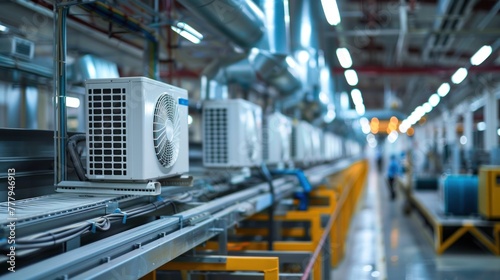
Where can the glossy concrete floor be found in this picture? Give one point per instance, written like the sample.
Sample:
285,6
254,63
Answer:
385,244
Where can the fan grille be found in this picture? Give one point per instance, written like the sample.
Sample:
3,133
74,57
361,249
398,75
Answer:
166,130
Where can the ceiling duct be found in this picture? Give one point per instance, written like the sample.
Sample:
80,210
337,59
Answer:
91,67
304,37
266,54
241,21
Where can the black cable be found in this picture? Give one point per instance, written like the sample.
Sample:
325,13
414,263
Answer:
271,226
75,157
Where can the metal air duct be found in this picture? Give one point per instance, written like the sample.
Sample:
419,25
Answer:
240,21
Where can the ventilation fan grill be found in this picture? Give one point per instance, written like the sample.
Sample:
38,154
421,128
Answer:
107,131
166,130
265,140
216,126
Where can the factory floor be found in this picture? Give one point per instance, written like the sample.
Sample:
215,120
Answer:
384,243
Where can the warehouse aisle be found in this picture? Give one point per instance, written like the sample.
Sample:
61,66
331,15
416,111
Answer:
383,243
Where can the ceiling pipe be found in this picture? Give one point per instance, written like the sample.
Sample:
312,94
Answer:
266,54
240,21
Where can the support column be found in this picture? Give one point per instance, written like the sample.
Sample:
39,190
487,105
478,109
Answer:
468,133
491,120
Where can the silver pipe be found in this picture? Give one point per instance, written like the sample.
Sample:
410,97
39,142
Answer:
60,130
240,21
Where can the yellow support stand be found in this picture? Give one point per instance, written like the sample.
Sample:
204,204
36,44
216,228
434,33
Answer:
268,265
350,182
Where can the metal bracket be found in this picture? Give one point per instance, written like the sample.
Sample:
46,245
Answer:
181,181
119,188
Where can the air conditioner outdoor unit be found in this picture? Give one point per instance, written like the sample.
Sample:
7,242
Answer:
277,138
232,133
17,47
302,146
317,142
137,130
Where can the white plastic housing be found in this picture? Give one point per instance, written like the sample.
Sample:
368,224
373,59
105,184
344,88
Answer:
302,146
277,139
232,133
120,129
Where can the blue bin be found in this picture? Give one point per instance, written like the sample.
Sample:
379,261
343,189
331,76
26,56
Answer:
460,195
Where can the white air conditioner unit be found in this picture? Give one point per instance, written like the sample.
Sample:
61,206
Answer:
330,146
17,47
302,146
137,130
232,133
317,142
276,138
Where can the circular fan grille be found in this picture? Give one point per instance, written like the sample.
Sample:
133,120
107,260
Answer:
166,130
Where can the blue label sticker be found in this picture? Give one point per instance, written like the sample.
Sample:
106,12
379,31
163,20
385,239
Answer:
183,101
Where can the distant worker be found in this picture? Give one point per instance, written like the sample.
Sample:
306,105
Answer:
392,173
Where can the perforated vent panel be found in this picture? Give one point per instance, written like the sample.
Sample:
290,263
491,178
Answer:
23,49
216,145
107,131
265,140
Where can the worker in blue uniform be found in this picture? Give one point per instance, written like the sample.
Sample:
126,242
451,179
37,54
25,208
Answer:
392,173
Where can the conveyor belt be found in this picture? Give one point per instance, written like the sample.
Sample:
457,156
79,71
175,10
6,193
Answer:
160,241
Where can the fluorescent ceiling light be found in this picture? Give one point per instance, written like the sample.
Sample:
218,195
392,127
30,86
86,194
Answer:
344,100
393,136
3,28
291,62
331,11
303,56
356,96
323,97
72,102
481,126
459,76
188,32
434,100
420,111
360,109
330,114
427,107
344,57
351,77
481,55
443,89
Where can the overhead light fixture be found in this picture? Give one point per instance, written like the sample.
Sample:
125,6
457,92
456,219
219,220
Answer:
331,10
330,114
3,28
344,57
434,100
481,55
303,56
481,126
360,109
356,96
323,97
459,76
72,102
443,89
188,32
351,77
344,100
427,107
